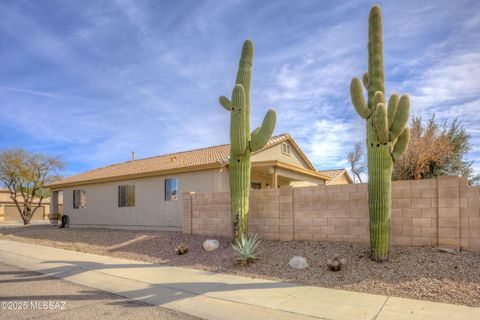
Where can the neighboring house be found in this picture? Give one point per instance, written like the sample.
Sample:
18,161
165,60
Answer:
337,176
146,193
9,211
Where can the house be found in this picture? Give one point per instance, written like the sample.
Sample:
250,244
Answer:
337,176
9,211
146,193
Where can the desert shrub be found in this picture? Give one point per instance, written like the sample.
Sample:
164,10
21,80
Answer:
247,248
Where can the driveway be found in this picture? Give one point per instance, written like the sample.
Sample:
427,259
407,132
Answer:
44,297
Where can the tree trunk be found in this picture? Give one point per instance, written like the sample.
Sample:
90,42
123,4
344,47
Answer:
26,215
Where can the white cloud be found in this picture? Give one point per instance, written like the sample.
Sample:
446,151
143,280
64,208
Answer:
144,75
331,141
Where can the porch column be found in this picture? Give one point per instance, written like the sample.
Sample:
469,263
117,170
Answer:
274,178
54,202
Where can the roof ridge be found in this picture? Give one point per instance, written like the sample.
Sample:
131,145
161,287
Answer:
285,135
179,152
196,149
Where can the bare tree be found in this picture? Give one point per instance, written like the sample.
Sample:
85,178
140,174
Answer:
356,158
25,175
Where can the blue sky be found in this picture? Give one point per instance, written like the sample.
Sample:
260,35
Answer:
93,80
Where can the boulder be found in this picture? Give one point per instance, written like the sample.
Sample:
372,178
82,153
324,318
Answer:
298,262
210,244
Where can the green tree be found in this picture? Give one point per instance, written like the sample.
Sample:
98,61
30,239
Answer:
26,174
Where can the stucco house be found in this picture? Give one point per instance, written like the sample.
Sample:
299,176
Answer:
337,176
146,193
9,211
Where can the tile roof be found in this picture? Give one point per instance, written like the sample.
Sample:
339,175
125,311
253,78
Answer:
192,159
334,173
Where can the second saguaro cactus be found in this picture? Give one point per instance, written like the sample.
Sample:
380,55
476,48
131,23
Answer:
243,143
387,136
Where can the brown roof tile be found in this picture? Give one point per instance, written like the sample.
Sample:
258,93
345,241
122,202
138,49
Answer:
192,159
334,173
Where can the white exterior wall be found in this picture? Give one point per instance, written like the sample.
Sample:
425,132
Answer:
151,211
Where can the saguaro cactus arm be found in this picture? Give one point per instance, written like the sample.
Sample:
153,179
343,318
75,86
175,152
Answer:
225,102
358,100
392,108
262,134
401,144
365,80
381,123
378,98
401,117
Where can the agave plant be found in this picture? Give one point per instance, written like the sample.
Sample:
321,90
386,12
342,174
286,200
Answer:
247,248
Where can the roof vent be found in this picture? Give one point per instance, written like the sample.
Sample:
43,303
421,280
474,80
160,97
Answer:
174,159
133,155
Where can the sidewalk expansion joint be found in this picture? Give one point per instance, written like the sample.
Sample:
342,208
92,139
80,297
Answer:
381,308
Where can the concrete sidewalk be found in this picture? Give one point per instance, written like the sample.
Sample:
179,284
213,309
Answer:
220,296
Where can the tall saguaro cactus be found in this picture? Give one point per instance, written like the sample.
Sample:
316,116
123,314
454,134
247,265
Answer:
387,136
243,143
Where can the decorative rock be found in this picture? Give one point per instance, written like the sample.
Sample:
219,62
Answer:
448,250
210,244
298,262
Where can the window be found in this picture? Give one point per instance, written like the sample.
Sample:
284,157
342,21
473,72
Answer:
79,199
171,189
126,196
255,185
286,149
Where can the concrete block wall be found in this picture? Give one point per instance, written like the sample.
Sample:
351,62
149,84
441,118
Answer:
469,203
207,213
332,212
414,219
266,220
444,211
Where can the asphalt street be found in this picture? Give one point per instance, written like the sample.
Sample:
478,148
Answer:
30,295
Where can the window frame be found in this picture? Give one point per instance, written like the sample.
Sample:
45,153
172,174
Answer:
126,195
77,196
286,149
169,196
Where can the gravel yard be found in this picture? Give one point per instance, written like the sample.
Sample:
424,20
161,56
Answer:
419,273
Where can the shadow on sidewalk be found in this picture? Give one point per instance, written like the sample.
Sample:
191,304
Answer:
157,293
